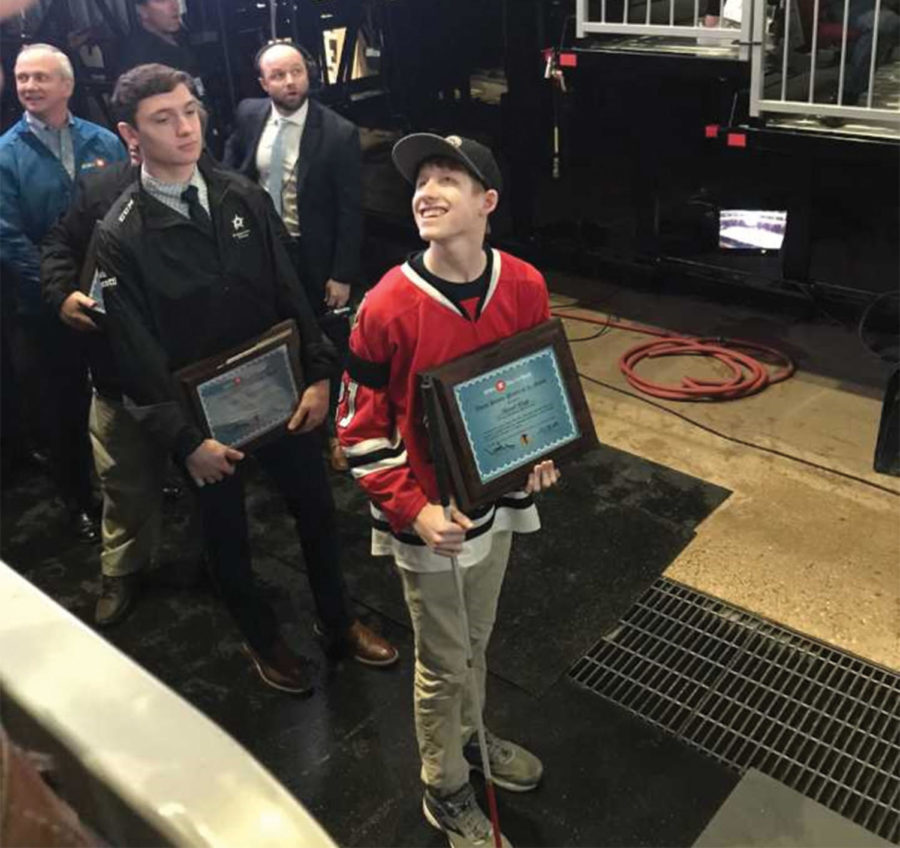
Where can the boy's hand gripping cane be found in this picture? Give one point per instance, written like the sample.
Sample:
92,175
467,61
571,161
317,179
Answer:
435,433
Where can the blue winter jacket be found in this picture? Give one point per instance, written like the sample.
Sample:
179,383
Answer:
35,190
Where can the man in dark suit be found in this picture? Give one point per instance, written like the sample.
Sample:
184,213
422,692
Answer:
315,185
159,37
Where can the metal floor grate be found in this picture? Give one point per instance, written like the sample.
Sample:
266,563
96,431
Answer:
754,694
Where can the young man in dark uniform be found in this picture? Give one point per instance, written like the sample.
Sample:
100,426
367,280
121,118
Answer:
195,264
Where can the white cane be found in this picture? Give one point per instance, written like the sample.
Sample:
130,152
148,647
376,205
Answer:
435,422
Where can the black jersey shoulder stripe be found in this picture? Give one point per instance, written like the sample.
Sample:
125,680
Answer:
373,375
376,455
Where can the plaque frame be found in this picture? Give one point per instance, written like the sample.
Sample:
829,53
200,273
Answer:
469,490
87,276
193,376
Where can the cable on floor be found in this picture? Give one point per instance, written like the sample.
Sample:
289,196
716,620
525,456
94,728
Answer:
738,441
861,329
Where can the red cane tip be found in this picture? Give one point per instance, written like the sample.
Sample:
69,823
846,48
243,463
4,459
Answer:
495,816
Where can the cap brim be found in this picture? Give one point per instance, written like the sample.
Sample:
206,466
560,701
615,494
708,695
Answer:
412,150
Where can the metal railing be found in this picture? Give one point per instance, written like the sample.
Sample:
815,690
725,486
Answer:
820,58
826,63
666,18
139,764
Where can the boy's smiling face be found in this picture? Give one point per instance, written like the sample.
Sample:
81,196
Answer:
449,202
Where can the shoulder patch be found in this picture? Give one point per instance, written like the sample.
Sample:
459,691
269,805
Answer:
126,211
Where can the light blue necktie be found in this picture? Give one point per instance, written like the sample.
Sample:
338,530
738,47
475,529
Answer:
276,166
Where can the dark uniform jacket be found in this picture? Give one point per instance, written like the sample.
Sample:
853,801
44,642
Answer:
63,253
175,294
328,189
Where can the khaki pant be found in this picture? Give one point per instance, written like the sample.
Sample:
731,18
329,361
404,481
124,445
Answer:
444,711
131,468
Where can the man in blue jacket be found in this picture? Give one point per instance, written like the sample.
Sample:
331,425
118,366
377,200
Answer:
40,158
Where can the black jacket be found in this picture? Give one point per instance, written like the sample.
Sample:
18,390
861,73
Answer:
328,189
63,254
175,294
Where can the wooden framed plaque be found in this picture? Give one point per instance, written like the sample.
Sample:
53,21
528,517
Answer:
245,396
507,407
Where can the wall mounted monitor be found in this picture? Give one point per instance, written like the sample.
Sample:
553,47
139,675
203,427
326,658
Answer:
760,230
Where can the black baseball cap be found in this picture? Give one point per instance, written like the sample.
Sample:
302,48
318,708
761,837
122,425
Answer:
412,150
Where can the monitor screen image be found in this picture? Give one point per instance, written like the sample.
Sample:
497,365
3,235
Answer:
751,229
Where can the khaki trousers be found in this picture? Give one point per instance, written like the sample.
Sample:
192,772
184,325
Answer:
443,707
131,468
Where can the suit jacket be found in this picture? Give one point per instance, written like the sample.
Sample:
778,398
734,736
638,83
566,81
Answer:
328,189
142,47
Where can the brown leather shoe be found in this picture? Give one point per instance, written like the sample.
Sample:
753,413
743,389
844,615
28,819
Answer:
366,646
336,456
117,597
282,669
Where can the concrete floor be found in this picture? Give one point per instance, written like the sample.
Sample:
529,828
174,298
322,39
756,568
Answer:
809,549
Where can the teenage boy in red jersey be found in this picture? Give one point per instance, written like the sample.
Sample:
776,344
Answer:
455,297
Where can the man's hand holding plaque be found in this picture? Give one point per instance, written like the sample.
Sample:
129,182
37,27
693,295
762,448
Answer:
212,461
311,410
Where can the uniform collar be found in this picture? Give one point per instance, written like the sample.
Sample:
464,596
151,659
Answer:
157,214
35,123
155,186
435,294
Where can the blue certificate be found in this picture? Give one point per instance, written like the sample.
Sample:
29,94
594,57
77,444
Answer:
250,399
516,413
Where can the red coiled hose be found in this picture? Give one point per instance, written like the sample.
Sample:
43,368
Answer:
748,363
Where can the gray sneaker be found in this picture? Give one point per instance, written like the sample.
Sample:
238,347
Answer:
461,819
512,767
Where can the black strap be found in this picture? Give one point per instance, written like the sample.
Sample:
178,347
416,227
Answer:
373,375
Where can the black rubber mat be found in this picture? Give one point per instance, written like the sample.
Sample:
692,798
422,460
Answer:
609,531
349,752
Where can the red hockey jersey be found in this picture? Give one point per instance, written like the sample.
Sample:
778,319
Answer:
404,327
